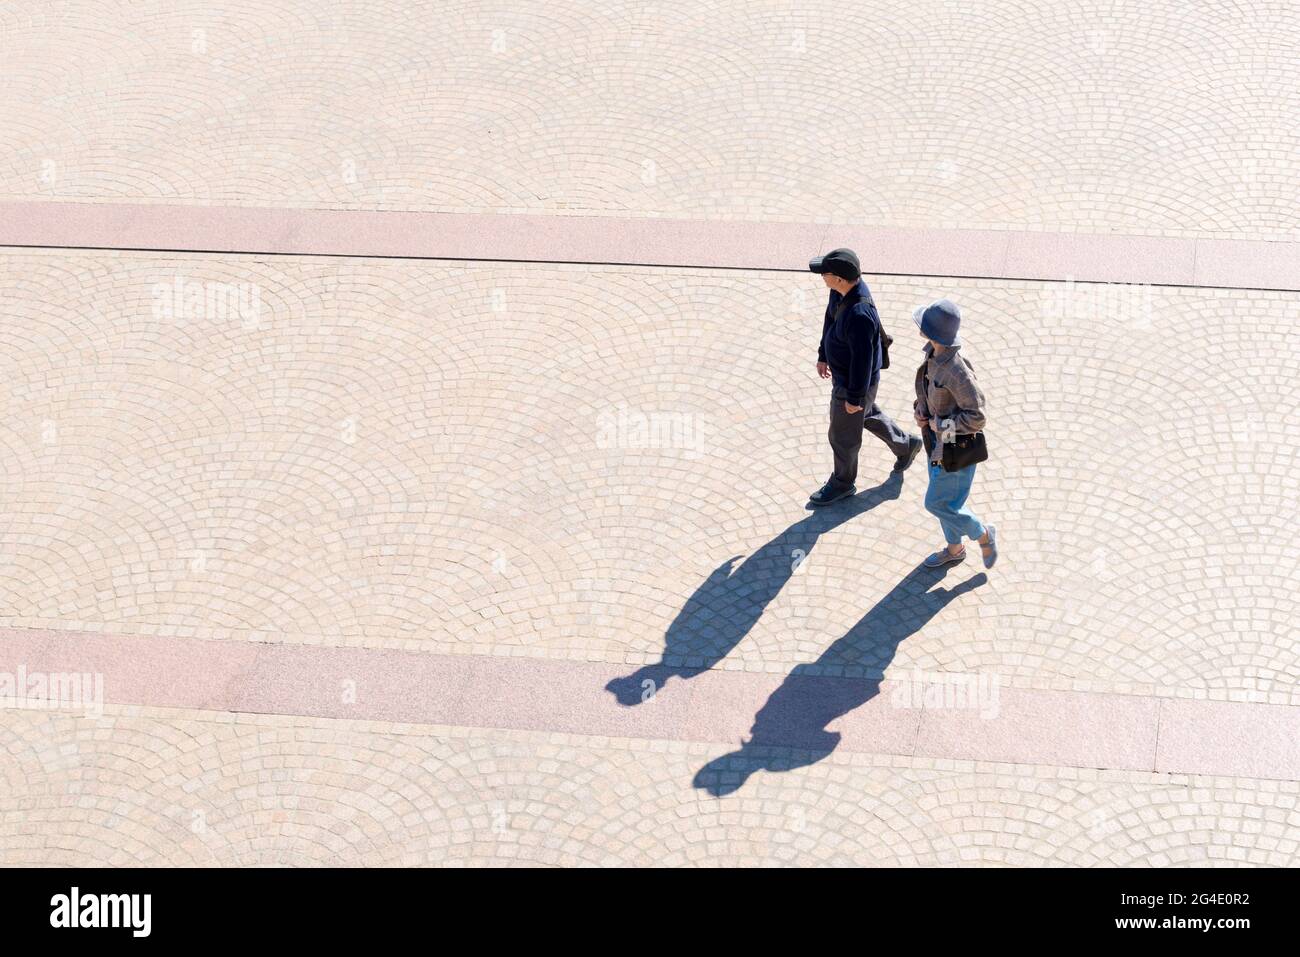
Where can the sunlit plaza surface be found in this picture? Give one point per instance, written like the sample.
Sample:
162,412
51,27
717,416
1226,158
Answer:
410,412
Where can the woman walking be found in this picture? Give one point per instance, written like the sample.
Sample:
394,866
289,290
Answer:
950,410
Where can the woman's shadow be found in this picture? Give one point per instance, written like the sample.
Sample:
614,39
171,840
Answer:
727,604
789,731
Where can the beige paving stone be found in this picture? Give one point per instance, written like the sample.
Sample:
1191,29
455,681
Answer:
1090,115
596,463
151,787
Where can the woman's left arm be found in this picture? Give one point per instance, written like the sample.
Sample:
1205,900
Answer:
968,416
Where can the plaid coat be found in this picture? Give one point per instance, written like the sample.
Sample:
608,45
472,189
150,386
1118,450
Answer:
947,391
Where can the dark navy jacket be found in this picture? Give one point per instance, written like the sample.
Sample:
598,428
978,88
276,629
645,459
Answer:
851,344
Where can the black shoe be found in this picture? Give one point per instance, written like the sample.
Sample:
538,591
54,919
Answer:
829,493
914,446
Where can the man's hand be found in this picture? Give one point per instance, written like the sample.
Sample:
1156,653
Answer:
852,409
921,420
823,370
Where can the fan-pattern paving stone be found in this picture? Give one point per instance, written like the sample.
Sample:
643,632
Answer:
611,465
1159,117
148,787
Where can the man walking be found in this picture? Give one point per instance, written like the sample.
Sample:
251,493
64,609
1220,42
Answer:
850,355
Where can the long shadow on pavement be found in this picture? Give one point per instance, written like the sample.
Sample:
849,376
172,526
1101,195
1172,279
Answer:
730,601
789,731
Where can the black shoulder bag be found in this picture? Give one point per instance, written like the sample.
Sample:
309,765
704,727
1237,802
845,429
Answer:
963,450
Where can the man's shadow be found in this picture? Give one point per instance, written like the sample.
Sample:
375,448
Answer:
789,731
727,604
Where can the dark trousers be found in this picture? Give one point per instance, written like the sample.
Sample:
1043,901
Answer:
846,430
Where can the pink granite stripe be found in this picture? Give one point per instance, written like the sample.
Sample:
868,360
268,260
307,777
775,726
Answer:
161,672
1251,265
364,684
652,241
1108,258
1071,729
793,711
1059,728
1229,737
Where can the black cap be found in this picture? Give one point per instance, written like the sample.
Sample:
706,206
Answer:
838,262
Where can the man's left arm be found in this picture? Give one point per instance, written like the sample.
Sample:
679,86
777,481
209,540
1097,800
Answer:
866,354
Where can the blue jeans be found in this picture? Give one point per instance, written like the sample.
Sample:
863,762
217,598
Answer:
946,500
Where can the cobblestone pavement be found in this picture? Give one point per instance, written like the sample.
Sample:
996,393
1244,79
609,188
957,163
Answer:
355,474
611,465
147,786
1108,115
296,451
